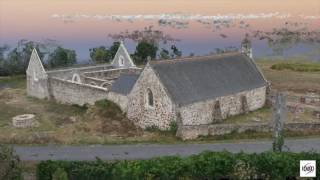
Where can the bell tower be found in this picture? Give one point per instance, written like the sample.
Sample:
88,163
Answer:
246,47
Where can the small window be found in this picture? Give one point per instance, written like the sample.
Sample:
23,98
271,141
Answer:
150,101
121,61
35,78
76,78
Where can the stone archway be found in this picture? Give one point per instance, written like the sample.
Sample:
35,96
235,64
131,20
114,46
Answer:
76,78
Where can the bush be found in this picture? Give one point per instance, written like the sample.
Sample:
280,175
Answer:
207,165
109,109
10,167
60,174
173,127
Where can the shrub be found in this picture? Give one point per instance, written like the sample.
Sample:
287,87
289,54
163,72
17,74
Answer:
60,174
10,167
109,109
173,127
207,165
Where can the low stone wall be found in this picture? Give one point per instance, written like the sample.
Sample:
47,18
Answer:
119,99
111,73
192,132
67,73
74,93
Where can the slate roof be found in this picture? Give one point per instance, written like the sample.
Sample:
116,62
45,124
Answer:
124,83
201,78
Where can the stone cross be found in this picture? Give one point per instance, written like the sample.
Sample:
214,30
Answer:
279,116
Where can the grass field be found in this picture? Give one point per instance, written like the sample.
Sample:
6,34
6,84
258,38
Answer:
70,124
289,80
299,67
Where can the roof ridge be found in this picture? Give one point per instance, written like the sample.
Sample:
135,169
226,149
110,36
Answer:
194,58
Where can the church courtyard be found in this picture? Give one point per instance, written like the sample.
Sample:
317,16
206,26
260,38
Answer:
71,124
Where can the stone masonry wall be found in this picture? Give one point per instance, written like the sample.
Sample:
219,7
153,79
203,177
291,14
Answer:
119,99
161,114
37,87
74,93
202,112
67,73
37,78
192,132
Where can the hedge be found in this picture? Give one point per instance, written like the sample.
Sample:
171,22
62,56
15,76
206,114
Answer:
207,165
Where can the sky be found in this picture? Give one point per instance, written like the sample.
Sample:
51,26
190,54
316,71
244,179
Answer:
83,24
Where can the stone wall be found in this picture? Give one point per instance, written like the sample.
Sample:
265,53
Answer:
74,93
192,132
68,73
119,99
162,112
111,73
97,82
203,112
37,87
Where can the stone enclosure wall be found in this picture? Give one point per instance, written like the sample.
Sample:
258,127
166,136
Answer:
73,93
119,99
192,132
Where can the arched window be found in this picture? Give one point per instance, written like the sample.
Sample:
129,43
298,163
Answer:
76,78
121,61
35,78
150,101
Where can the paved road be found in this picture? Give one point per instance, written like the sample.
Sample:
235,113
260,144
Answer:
144,151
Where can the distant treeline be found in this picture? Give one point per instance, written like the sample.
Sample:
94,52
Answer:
15,60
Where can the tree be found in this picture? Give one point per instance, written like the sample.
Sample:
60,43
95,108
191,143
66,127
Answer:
24,50
15,63
10,167
148,34
18,58
175,52
114,48
3,64
143,51
164,54
3,49
61,57
102,54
